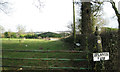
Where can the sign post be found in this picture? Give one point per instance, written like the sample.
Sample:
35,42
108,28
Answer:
100,56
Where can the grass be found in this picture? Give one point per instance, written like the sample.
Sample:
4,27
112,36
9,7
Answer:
37,44
33,44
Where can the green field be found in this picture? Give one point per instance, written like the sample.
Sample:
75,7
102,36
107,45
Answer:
38,44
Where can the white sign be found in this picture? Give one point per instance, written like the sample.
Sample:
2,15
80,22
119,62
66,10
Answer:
100,56
78,44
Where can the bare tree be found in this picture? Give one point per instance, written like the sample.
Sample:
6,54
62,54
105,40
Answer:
31,32
38,4
1,29
116,12
100,22
5,6
21,29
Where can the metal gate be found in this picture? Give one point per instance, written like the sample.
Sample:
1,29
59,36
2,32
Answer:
50,63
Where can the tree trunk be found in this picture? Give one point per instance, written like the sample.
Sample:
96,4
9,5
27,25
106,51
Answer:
86,25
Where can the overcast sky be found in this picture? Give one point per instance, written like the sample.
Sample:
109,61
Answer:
55,15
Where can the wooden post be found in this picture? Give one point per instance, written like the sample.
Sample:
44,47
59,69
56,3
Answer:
99,65
74,31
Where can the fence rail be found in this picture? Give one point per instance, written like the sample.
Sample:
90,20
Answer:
37,67
46,59
43,51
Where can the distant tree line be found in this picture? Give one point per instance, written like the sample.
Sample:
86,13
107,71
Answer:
36,36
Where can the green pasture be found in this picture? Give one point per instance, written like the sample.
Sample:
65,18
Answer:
38,44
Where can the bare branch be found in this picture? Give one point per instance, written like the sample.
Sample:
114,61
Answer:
3,3
97,8
114,7
38,4
4,7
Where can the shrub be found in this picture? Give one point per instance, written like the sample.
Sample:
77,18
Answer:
13,35
109,44
6,34
21,36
